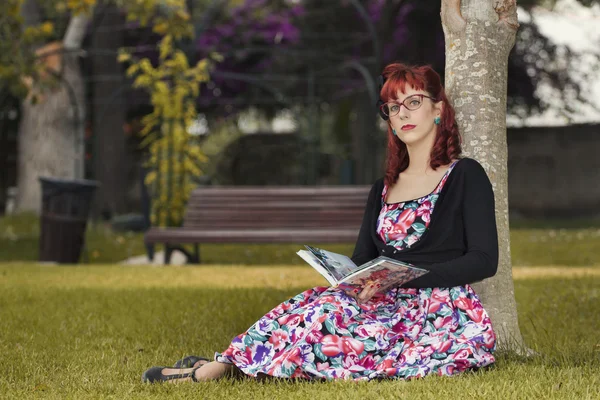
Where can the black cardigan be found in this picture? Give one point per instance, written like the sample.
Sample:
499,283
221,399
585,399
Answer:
460,245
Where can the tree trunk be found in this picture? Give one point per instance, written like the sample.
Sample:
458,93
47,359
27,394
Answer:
479,36
50,141
110,148
367,141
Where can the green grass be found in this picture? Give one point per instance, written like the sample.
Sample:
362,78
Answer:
533,243
567,247
19,241
90,331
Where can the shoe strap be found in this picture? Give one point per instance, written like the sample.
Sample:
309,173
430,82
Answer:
194,379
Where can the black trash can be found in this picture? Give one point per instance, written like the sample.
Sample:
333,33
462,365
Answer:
65,210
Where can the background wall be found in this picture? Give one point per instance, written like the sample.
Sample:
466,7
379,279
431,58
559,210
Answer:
554,171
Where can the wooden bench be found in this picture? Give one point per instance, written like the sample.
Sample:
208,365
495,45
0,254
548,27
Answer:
266,214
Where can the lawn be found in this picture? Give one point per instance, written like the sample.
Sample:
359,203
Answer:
90,331
533,243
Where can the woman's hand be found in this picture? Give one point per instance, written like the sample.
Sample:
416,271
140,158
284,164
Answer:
350,290
361,294
368,291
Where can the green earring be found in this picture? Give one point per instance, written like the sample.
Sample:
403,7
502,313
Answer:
437,120
394,131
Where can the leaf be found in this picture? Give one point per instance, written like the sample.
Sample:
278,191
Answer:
393,215
462,318
288,370
444,312
165,47
248,340
122,57
330,326
141,81
47,28
132,70
317,351
150,178
369,345
161,28
419,227
257,336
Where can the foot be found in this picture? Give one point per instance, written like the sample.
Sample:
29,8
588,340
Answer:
200,363
166,374
191,362
206,372
213,370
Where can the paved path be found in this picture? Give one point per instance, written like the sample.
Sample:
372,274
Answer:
176,259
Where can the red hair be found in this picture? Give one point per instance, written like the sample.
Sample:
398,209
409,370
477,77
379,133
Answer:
447,144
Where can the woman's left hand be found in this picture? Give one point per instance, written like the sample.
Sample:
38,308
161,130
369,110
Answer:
367,292
358,293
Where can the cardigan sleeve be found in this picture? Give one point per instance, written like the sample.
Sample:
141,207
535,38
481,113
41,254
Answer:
365,250
480,260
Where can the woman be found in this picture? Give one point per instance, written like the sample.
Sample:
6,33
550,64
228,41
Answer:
433,209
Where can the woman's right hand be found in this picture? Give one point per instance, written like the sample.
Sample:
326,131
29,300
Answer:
361,294
368,291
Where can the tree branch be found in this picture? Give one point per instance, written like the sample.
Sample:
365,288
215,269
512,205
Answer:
76,31
451,16
507,13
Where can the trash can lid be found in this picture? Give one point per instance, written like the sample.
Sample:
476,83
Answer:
68,184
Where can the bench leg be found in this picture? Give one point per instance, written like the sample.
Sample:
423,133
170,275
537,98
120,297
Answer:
196,254
150,251
168,252
190,257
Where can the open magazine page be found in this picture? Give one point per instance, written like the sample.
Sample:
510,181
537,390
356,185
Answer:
384,272
338,265
314,262
338,269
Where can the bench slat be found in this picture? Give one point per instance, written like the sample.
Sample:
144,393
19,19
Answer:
291,214
234,213
265,217
282,191
176,236
249,225
276,204
275,224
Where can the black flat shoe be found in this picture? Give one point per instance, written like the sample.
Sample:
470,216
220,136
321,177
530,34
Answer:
155,374
189,361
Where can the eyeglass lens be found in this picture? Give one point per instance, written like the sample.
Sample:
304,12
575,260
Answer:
411,103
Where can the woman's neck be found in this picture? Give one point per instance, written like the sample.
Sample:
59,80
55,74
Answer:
419,160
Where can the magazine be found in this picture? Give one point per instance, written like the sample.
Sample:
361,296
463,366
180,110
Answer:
337,268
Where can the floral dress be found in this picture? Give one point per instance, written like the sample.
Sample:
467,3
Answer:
323,333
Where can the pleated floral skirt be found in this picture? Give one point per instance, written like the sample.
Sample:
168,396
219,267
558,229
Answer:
322,333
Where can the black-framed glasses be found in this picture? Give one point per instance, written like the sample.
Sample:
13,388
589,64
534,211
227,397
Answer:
412,103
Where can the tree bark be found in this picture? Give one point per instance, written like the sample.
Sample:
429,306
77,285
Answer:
50,141
368,144
110,148
479,36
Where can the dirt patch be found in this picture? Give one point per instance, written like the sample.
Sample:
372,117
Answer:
554,272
